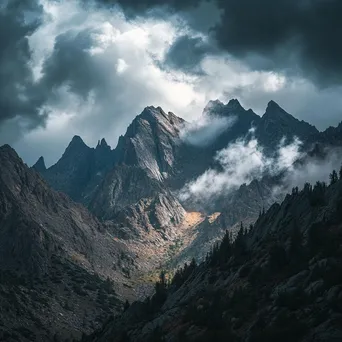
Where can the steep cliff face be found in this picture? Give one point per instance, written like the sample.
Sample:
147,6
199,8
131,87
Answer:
54,256
151,142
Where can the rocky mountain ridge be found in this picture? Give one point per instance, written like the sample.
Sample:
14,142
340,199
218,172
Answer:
153,142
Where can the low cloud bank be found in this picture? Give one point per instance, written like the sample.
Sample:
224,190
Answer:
239,163
312,170
243,161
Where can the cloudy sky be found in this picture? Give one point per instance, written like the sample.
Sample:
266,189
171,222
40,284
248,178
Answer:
89,67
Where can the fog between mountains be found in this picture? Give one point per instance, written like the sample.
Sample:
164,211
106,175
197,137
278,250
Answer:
205,130
245,160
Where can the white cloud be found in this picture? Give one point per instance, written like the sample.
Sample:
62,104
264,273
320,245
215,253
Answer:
312,170
241,162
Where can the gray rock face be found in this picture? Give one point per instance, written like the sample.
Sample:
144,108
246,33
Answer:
161,213
129,194
151,142
123,186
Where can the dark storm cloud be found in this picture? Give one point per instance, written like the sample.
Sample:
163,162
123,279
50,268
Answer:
285,33
18,98
71,65
299,37
186,53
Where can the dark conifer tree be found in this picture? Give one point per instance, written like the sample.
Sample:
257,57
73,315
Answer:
333,177
239,247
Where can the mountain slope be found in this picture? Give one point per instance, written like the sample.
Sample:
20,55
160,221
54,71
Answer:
54,257
279,282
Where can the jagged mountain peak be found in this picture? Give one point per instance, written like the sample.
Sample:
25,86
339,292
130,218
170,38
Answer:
213,106
76,146
233,107
7,151
150,141
8,159
102,144
152,111
276,113
274,110
274,104
77,141
234,104
277,124
40,165
154,116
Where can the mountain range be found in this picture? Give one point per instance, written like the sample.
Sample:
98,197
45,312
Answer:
81,237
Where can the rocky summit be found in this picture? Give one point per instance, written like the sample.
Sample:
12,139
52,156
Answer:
164,238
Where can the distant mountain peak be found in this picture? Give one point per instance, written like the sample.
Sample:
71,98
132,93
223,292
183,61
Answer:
77,140
218,108
7,149
40,165
276,124
213,107
102,144
234,104
273,109
152,112
273,104
75,145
